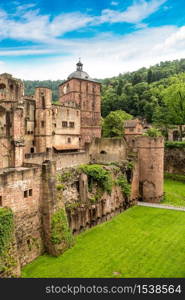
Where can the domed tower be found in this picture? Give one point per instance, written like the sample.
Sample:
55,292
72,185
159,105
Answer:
84,92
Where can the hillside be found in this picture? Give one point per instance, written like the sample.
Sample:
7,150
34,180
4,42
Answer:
138,93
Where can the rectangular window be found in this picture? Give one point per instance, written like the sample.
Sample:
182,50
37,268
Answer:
71,124
30,192
64,124
25,194
1,203
42,124
69,140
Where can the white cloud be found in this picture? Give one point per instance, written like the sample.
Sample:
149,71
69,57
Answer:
103,56
114,3
135,13
27,24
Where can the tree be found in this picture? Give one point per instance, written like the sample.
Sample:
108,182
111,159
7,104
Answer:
113,124
153,132
174,98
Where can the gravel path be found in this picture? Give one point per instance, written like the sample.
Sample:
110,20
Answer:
161,206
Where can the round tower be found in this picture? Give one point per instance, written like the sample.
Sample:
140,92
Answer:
151,169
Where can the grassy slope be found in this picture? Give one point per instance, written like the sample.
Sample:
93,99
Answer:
141,242
174,192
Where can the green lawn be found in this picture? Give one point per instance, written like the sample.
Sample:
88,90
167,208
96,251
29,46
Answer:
140,242
174,192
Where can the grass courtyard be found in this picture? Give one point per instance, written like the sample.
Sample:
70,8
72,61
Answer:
140,242
174,192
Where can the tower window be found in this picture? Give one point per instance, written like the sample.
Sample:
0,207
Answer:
71,124
69,140
64,124
25,194
42,124
32,150
30,192
43,101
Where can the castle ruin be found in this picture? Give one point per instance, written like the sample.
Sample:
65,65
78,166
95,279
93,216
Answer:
41,141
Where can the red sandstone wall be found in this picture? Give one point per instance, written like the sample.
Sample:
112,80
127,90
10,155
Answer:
13,184
151,157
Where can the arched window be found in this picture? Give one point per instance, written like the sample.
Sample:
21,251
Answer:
2,88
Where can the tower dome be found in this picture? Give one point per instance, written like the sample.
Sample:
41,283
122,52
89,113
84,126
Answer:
79,73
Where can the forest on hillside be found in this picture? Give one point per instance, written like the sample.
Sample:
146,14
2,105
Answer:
147,93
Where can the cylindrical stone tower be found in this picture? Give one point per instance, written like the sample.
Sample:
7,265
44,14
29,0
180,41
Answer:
151,170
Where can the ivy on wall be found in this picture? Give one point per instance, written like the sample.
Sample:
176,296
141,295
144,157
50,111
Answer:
60,232
6,230
96,173
125,186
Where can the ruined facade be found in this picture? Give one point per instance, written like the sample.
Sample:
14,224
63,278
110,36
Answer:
38,141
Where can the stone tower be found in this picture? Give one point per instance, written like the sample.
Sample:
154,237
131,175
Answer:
81,90
151,173
43,126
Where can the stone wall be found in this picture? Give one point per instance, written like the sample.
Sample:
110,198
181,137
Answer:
87,207
107,150
174,160
151,164
20,190
65,160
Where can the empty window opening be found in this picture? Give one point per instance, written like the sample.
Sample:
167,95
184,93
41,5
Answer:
71,124
43,101
32,150
2,88
30,192
64,124
25,194
42,124
67,112
69,140
103,152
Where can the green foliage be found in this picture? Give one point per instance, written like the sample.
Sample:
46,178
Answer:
174,191
125,186
52,84
153,132
64,176
60,187
113,125
141,242
6,227
171,145
140,93
176,177
97,173
60,232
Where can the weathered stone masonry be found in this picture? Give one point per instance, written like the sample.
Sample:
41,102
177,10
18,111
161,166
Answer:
39,141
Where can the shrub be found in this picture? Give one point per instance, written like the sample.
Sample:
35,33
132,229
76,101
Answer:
153,132
96,173
60,231
171,145
125,186
6,228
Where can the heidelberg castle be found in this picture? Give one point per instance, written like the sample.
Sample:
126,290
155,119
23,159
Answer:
39,139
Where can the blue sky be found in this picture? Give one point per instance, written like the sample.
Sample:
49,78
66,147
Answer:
43,39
